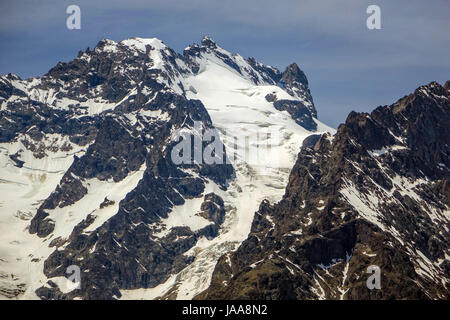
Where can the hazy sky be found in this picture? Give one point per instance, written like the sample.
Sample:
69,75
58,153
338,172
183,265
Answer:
348,66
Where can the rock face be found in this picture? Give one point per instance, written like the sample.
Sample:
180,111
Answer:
298,111
302,109
295,82
96,137
375,194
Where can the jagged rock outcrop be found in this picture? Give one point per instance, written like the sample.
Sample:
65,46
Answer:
296,83
302,109
375,194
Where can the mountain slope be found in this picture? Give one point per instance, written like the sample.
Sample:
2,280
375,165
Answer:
375,194
87,168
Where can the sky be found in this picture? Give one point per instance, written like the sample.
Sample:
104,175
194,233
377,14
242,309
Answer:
349,67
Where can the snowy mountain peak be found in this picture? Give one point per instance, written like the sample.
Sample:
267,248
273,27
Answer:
87,152
134,43
208,42
88,178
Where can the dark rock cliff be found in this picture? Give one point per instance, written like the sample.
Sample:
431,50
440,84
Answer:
375,194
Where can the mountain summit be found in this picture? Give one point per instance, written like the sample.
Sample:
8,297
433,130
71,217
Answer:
88,176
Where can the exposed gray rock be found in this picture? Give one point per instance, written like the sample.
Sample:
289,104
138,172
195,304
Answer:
375,194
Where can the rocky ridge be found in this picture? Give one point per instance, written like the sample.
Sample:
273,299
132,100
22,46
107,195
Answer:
375,194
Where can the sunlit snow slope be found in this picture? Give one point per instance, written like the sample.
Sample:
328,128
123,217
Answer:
22,190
